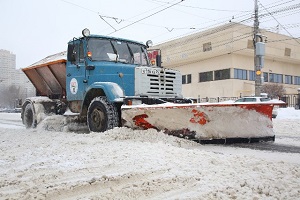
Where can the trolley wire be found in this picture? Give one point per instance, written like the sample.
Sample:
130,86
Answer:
244,18
146,17
287,8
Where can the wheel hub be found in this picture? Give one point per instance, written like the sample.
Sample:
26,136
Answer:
97,118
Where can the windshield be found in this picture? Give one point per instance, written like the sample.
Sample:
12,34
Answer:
117,51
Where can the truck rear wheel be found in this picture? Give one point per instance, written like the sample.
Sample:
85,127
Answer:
29,116
102,115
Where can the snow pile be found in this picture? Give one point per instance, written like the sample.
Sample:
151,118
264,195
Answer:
288,113
134,164
287,126
62,56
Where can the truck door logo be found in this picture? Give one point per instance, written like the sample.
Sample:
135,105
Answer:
73,86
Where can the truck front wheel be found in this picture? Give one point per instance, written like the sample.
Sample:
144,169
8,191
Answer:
102,115
29,117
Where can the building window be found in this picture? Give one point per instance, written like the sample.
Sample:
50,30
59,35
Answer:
222,74
297,80
266,77
189,78
186,79
207,46
250,44
271,77
287,52
288,79
205,76
252,75
240,74
276,78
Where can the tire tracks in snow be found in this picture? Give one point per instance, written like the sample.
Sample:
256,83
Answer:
269,146
126,186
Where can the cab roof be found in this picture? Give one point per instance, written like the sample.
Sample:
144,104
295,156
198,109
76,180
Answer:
109,38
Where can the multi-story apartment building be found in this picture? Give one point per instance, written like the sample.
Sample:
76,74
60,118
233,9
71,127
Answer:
7,67
220,62
13,82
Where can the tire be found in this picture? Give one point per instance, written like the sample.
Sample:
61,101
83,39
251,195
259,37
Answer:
102,115
29,116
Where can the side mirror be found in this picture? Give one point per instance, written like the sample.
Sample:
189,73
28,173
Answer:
155,57
149,43
71,54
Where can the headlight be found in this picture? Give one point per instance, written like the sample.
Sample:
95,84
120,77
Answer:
85,32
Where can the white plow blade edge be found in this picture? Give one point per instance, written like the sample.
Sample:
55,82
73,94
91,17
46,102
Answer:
205,120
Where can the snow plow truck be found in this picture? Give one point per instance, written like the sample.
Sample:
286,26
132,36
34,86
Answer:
110,82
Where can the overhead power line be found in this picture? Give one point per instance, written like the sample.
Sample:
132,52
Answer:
270,41
215,45
243,18
200,8
288,8
271,13
79,6
274,4
121,20
147,17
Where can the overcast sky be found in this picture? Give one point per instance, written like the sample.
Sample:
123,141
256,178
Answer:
34,29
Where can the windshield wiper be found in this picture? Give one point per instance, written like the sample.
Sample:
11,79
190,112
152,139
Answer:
131,54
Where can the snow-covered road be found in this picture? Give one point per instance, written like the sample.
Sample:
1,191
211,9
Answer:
11,120
126,164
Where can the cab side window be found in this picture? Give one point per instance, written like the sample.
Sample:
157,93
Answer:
76,53
81,53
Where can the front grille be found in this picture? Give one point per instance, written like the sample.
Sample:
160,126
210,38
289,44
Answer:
162,83
157,82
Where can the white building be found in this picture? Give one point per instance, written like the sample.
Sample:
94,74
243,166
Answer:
220,62
13,82
7,68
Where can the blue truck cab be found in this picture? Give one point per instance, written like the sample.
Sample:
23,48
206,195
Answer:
105,63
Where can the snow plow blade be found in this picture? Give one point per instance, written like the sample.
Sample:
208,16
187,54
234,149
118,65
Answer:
206,123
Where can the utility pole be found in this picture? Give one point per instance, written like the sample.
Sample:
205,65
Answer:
257,68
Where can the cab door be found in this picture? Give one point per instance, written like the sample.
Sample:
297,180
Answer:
75,72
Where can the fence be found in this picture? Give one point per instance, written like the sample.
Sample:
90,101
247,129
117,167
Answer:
292,100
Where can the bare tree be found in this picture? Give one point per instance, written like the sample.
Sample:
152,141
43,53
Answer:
9,95
273,90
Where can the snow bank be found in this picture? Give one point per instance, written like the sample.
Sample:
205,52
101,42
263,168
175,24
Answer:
126,164
288,113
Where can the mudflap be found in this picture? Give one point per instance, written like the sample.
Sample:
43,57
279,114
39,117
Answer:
205,123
